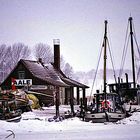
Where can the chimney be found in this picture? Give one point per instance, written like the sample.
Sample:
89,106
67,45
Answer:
126,77
56,43
127,84
40,61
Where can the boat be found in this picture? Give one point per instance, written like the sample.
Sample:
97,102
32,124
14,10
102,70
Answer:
8,109
129,91
109,110
106,105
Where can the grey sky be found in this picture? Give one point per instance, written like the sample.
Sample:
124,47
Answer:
79,24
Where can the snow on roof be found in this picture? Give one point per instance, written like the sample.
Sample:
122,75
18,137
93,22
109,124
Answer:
50,74
43,73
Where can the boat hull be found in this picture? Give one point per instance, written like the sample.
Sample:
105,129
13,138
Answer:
104,117
15,119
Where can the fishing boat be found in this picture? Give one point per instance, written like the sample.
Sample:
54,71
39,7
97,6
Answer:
129,91
105,110
8,109
106,105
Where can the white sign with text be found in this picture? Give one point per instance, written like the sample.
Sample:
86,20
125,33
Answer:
22,82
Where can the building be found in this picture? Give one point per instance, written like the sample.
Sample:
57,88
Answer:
45,80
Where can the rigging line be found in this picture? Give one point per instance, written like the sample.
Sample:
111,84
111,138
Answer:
123,60
96,72
125,55
112,61
137,45
124,49
112,57
134,34
136,66
138,74
99,57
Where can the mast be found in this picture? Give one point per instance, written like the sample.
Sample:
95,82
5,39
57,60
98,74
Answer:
132,51
105,57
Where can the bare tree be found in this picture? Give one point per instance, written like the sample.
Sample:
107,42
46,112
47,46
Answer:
43,51
3,52
62,62
68,70
16,52
10,55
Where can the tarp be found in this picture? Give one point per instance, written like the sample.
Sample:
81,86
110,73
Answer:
34,101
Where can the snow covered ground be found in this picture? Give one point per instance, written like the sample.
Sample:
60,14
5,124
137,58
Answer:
35,126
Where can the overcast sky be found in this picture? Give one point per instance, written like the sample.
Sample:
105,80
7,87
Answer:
79,24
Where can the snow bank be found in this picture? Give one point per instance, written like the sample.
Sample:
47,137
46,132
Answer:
36,122
134,119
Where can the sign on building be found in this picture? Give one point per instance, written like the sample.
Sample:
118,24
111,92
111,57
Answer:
21,82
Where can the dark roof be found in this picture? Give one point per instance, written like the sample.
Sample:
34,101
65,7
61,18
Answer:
64,78
41,72
73,82
50,74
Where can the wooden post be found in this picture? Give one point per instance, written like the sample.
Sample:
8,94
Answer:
66,96
71,100
82,111
84,93
78,96
85,104
84,99
57,102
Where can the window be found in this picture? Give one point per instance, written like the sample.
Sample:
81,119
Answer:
21,74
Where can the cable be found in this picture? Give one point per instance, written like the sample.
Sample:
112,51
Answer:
96,72
124,50
134,34
136,41
112,61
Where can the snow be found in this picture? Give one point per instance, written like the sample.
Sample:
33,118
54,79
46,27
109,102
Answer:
35,126
134,119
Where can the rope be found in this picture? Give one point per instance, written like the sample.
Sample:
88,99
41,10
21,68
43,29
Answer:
134,34
138,73
99,57
96,72
112,57
124,51
112,61
124,57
